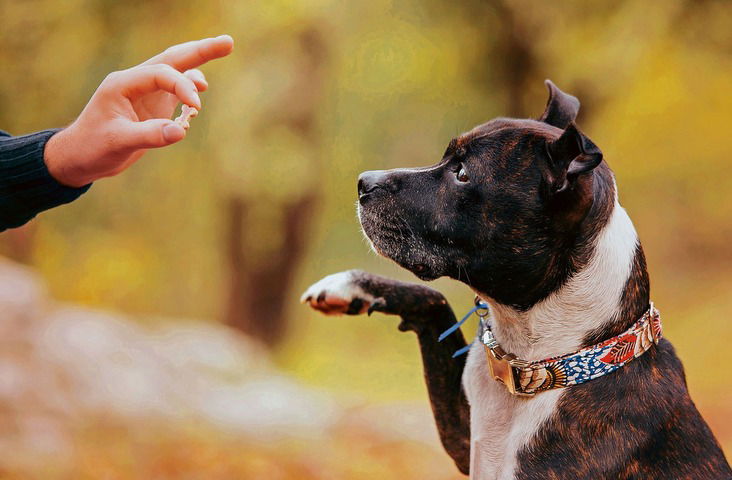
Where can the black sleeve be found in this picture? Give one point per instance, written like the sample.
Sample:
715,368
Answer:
26,187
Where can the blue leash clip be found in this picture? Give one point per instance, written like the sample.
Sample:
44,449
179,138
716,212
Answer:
481,309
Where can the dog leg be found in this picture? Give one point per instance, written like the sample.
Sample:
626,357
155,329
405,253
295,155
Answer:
425,312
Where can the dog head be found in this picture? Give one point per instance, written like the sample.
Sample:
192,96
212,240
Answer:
509,208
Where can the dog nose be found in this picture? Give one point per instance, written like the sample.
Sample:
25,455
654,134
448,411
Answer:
370,181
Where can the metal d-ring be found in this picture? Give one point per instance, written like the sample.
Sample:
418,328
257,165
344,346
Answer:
482,309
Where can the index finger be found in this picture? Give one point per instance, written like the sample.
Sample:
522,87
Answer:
189,55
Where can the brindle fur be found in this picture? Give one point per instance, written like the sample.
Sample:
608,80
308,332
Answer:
426,312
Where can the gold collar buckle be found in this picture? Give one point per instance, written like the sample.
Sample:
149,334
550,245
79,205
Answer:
502,364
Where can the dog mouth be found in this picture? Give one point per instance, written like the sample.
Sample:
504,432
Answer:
363,197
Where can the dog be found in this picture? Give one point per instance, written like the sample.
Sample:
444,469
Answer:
526,213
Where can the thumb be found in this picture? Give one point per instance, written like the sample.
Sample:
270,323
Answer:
153,133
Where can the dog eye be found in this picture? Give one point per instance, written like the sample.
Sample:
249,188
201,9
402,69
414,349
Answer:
462,175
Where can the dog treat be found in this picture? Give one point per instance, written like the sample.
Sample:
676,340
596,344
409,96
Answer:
186,113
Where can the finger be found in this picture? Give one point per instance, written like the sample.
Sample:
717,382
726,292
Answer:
198,79
189,55
154,133
139,81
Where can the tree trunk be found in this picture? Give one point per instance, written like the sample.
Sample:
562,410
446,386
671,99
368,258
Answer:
258,291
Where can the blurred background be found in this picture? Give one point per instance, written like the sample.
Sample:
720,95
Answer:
152,329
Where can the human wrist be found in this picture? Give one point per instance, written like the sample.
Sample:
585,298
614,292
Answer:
60,163
28,186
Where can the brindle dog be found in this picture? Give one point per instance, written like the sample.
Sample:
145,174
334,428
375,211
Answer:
525,212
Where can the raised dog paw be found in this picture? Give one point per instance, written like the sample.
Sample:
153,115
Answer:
340,293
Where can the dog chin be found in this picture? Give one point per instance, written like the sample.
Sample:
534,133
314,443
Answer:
395,254
425,276
421,270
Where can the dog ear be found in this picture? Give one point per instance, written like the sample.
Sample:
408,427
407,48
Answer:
561,108
570,155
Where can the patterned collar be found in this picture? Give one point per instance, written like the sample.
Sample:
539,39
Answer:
528,378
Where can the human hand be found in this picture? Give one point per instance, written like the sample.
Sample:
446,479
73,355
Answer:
130,112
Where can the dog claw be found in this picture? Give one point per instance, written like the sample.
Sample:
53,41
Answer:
377,304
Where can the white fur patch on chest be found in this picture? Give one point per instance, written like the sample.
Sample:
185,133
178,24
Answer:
502,425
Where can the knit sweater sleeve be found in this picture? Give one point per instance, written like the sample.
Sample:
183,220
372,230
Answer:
26,187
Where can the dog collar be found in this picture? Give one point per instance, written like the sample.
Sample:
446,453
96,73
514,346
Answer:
526,378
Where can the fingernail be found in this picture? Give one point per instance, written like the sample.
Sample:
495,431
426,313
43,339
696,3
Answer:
198,101
173,132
